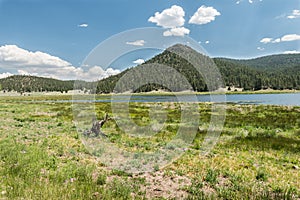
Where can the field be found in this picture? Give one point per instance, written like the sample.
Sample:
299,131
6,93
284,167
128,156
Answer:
42,155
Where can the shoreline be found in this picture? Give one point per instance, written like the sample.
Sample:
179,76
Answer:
152,93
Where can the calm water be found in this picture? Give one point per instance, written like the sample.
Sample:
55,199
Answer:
291,99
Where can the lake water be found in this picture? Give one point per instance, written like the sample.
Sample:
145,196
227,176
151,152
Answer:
288,99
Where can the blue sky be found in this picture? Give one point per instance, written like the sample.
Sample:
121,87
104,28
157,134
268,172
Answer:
55,34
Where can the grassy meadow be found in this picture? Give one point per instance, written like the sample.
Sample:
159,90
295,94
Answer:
42,156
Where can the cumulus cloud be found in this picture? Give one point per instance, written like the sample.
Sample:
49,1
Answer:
169,18
250,1
6,74
204,15
84,25
137,43
285,38
16,60
276,40
295,14
23,72
291,52
179,31
266,40
270,40
97,73
68,73
207,42
13,55
290,37
139,61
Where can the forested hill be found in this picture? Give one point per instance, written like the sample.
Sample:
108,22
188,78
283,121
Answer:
276,72
272,62
22,83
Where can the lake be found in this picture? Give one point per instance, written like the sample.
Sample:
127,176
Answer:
287,99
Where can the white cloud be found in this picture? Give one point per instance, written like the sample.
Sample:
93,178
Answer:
204,15
285,38
84,25
13,55
6,74
207,42
16,60
71,73
290,37
260,48
179,31
266,40
22,72
139,61
249,1
295,14
169,18
292,15
137,43
172,19
100,73
291,52
276,40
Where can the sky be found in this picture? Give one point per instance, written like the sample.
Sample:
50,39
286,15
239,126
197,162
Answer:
54,38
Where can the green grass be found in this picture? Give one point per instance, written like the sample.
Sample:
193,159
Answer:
42,156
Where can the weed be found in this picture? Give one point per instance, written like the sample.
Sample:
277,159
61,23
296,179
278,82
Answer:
261,175
101,179
42,157
211,176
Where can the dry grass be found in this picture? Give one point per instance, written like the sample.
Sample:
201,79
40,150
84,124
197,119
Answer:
42,156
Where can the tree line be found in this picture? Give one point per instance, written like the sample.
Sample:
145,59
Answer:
234,73
277,72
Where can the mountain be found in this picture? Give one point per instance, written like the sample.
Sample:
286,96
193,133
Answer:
22,83
275,71
272,62
167,58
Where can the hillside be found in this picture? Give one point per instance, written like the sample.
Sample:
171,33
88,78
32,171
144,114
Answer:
165,58
22,83
277,72
272,62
